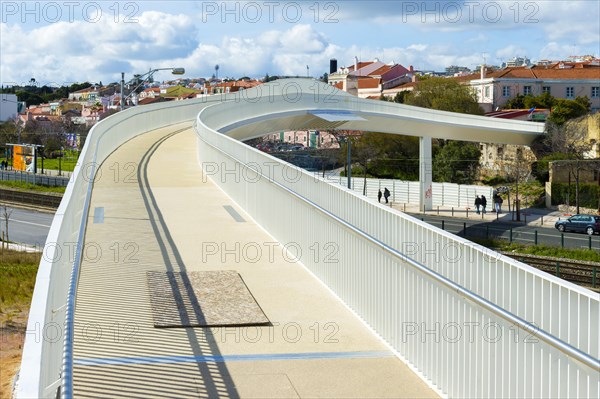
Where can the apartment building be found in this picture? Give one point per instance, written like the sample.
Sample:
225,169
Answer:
567,80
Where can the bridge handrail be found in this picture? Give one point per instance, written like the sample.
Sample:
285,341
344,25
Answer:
47,364
549,338
566,314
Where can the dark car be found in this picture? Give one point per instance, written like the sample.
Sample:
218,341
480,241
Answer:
589,224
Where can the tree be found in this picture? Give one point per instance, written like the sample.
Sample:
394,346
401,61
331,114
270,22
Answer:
6,214
544,100
518,171
29,97
564,110
364,152
397,156
456,162
400,97
445,95
567,138
570,139
517,102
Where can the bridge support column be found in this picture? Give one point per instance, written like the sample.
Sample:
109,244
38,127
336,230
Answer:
425,174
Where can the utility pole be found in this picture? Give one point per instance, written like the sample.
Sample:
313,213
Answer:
122,91
349,161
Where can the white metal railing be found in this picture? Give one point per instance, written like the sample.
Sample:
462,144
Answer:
406,279
47,353
472,322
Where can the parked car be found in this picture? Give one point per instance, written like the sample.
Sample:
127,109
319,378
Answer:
589,224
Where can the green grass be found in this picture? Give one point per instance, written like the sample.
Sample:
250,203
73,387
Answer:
67,162
31,187
541,250
17,278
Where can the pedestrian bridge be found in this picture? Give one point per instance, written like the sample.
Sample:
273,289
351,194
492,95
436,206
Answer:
341,296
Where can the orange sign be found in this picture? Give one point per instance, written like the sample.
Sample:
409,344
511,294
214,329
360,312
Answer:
19,158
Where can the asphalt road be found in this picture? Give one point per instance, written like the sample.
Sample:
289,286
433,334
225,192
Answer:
520,233
31,227
26,226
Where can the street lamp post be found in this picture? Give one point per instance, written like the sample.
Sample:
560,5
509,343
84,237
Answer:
122,91
144,77
346,139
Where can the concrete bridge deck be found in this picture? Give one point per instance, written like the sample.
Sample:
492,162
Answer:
151,210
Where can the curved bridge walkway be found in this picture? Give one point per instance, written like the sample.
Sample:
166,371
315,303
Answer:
147,204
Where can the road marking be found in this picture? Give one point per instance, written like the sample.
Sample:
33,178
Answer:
230,358
25,222
98,215
234,214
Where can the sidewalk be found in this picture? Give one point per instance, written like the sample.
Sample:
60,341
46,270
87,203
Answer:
529,216
313,345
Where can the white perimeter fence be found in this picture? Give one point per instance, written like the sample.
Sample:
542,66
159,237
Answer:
408,192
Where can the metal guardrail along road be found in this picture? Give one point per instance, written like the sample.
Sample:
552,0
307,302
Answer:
49,200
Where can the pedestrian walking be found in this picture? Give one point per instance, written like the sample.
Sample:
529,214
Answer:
498,203
379,195
386,194
483,203
477,203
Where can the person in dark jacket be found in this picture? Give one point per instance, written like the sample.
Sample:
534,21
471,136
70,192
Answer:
483,203
498,203
379,195
386,194
477,203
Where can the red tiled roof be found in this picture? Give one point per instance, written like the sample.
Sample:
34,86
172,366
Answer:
339,85
150,100
380,71
368,83
88,89
360,65
538,72
239,83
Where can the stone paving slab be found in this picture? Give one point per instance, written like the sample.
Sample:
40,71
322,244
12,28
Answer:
202,299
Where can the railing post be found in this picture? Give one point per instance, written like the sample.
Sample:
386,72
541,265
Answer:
594,271
557,269
511,236
442,225
536,238
590,242
562,240
465,228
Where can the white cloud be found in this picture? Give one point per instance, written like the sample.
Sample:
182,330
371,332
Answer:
556,51
79,50
510,51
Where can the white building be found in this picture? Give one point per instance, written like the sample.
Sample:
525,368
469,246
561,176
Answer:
8,107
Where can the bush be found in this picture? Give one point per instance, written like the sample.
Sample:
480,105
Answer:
494,181
589,194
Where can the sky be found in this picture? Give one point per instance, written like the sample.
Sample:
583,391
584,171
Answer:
64,42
